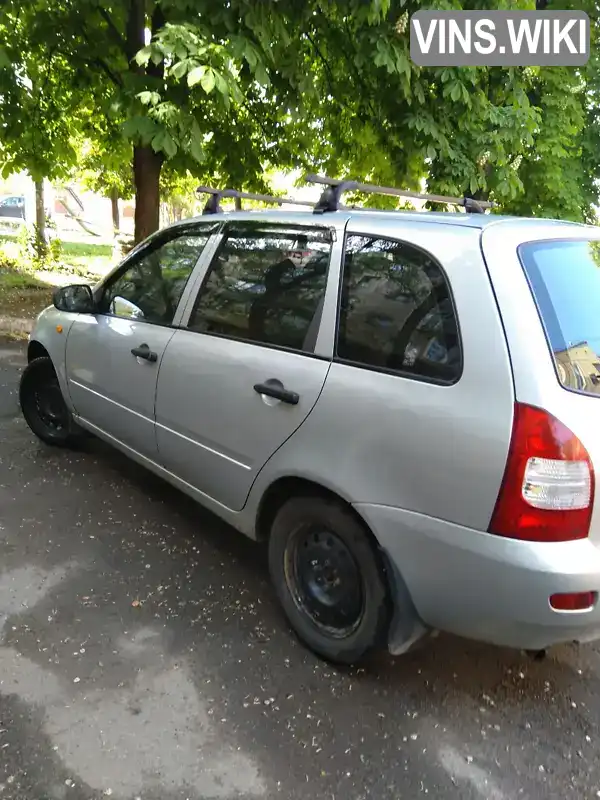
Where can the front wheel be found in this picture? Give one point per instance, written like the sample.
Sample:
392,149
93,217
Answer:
329,579
43,405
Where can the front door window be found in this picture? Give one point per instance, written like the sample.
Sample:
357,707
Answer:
151,288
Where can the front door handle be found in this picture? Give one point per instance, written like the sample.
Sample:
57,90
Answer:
143,351
276,389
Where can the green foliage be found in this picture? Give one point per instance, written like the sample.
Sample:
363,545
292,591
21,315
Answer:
222,93
178,193
42,99
105,165
33,250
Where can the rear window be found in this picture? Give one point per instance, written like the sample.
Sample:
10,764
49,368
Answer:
565,280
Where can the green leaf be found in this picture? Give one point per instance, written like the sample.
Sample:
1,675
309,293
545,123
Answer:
181,52
195,75
169,146
179,69
158,141
380,58
456,91
261,74
251,56
143,56
208,81
139,126
149,98
196,150
221,83
157,56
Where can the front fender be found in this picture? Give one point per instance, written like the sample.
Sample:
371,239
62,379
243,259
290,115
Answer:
50,332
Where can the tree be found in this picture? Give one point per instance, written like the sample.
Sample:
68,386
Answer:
561,166
527,138
178,194
105,168
223,92
391,121
204,69
39,108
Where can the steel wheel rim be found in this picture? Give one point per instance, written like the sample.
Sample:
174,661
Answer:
324,580
49,406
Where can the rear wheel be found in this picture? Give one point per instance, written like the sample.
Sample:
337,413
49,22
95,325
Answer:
329,579
43,405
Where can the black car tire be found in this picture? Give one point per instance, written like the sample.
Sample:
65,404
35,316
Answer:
44,408
313,524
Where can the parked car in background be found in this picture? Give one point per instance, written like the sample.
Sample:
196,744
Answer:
12,206
397,412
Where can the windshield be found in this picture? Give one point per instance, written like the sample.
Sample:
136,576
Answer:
565,280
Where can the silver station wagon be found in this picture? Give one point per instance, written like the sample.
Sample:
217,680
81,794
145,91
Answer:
404,405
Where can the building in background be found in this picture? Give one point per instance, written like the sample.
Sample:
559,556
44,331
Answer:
73,212
579,367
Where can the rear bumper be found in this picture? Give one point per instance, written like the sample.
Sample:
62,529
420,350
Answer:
487,587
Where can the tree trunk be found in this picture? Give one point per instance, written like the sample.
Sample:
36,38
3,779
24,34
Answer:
40,220
146,174
146,163
114,203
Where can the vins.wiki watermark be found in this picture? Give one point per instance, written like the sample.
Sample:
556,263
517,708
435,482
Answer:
499,38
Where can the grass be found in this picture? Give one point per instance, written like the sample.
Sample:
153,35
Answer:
25,291
85,250
74,249
22,297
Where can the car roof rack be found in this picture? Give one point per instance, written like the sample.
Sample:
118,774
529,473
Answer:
330,199
213,205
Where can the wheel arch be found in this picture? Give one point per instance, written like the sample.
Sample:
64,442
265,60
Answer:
36,349
286,488
406,628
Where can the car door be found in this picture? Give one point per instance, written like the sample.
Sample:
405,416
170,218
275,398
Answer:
113,356
243,376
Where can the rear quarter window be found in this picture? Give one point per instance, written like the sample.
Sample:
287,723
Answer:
565,280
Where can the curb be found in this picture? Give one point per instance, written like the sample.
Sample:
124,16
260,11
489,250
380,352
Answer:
13,325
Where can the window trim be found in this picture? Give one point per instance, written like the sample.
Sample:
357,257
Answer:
274,226
148,247
399,373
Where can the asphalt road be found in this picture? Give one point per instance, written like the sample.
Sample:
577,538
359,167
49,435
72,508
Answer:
142,655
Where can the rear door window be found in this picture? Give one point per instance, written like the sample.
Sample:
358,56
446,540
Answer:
397,312
565,281
266,285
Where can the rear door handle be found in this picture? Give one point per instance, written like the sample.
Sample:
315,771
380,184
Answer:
143,351
276,389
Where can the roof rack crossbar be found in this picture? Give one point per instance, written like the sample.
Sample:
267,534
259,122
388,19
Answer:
213,205
330,199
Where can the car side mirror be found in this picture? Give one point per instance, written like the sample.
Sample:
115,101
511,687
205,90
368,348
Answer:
77,298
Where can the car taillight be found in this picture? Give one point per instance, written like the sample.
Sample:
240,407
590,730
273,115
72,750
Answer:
548,487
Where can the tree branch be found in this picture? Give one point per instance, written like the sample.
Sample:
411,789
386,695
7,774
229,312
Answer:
116,79
328,72
118,38
157,22
351,66
136,22
99,62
